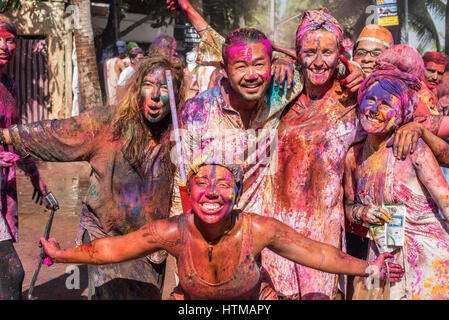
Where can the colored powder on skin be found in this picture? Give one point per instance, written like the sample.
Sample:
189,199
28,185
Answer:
315,20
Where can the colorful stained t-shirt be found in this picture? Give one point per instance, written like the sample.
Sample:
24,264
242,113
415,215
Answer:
8,189
307,187
425,255
211,126
120,198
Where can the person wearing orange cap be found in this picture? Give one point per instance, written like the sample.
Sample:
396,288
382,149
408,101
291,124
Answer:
370,44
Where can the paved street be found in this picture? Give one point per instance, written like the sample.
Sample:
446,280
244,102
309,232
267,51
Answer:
68,182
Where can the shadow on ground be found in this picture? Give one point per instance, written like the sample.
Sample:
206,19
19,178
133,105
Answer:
64,287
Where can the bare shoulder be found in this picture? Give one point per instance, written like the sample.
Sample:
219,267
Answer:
264,226
165,231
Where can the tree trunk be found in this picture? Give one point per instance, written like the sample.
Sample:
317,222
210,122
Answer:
446,39
108,34
85,52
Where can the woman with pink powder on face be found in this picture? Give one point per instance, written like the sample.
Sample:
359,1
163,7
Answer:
217,246
374,178
314,135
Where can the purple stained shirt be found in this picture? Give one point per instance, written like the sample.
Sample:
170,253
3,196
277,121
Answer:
8,190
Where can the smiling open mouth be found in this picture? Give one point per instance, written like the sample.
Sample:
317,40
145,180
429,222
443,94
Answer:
252,87
375,120
211,206
318,71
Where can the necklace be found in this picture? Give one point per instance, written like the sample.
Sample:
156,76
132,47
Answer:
210,244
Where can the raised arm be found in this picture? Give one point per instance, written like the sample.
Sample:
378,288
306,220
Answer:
190,13
288,243
157,235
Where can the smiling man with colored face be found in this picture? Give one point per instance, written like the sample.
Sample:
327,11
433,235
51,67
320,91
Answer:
238,114
373,40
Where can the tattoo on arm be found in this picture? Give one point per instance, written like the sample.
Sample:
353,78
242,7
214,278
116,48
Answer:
88,248
156,238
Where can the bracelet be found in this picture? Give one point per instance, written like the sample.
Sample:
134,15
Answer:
355,214
204,29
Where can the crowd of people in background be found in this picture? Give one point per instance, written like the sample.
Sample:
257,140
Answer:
300,173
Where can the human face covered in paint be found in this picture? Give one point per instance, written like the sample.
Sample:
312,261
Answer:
213,192
249,69
318,56
7,46
434,74
380,111
366,53
154,93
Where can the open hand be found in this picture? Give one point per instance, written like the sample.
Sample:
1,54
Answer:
174,5
355,78
283,69
406,138
40,189
378,268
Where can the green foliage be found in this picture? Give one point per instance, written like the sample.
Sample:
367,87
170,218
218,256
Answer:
157,9
421,21
350,13
225,15
347,12
6,5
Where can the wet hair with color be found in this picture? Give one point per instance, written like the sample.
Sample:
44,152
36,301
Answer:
244,35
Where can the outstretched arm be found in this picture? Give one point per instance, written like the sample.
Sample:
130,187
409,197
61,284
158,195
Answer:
289,244
71,139
117,249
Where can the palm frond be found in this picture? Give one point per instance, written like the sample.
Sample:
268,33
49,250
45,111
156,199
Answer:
437,7
422,23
